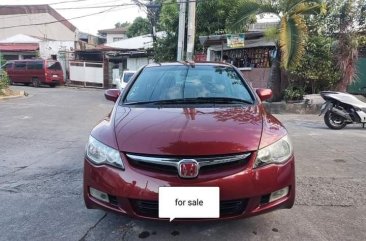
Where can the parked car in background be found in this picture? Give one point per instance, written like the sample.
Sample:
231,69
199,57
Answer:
125,77
189,125
35,72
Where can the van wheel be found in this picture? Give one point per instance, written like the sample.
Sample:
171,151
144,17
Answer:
35,82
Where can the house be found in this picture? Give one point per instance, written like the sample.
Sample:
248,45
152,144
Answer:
136,50
108,60
40,21
254,59
113,34
19,46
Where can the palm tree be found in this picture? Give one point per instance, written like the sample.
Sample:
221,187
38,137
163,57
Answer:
292,28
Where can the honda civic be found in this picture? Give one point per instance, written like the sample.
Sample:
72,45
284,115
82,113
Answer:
189,124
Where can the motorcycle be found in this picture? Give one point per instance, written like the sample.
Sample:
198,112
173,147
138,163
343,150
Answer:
342,109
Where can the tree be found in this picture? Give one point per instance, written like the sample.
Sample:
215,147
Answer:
122,25
140,26
292,30
211,18
318,68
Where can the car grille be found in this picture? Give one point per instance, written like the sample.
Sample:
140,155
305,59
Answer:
151,208
170,164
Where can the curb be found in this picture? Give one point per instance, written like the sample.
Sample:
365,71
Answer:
292,108
21,94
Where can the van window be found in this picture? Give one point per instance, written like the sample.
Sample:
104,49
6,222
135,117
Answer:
7,66
54,65
35,65
20,65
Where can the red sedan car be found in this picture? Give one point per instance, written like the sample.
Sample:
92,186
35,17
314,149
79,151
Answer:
189,124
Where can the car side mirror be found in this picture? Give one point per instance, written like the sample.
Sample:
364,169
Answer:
264,94
112,94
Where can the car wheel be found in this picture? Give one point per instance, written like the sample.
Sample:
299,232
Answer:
52,85
35,82
334,121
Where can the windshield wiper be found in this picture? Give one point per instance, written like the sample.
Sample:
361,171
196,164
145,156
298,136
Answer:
223,100
208,100
172,101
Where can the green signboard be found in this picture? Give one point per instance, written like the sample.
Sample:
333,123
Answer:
359,86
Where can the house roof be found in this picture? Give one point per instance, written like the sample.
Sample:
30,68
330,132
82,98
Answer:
219,39
113,31
253,43
140,42
34,9
20,38
18,47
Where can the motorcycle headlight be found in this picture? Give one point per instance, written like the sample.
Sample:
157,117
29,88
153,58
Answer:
100,154
278,152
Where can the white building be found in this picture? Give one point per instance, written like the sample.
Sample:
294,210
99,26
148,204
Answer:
40,21
113,34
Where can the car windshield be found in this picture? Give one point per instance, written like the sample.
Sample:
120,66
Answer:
127,77
201,83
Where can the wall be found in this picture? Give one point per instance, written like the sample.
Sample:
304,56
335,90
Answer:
48,48
111,36
86,72
56,31
258,77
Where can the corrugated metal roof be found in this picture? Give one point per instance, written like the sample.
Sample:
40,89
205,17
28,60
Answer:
254,43
18,47
140,42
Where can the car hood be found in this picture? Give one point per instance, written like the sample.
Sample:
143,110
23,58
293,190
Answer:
188,131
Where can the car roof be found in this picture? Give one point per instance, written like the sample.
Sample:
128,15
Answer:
189,63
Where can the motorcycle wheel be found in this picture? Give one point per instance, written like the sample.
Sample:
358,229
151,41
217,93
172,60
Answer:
334,121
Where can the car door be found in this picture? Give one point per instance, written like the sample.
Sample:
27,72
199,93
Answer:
20,73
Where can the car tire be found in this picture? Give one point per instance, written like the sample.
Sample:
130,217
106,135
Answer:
35,82
334,121
52,85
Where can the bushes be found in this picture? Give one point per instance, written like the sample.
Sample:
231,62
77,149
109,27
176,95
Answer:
293,93
4,81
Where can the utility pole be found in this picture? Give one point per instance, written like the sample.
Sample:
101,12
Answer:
182,29
191,29
153,11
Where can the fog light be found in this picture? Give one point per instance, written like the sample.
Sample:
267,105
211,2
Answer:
278,194
102,196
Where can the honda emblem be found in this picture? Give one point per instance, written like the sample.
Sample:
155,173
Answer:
188,168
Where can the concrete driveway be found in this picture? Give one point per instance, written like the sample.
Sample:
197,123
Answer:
42,140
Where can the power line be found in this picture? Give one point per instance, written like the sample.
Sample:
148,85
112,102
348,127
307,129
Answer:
92,14
71,1
56,21
104,6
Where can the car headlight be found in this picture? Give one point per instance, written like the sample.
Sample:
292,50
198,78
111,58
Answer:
278,152
99,154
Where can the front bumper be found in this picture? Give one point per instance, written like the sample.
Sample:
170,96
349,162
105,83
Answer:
134,192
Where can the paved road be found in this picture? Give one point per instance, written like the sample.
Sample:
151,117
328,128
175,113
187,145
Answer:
42,139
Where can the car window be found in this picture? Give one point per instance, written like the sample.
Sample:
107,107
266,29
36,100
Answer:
54,65
35,65
20,65
127,77
7,66
182,82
